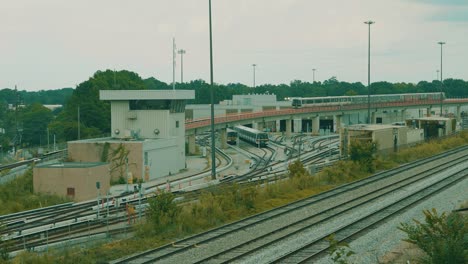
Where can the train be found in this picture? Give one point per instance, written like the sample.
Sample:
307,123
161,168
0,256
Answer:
231,137
362,99
253,136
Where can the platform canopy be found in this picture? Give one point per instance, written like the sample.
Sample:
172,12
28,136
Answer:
126,95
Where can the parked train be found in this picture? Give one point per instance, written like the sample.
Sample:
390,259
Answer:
253,136
231,136
362,99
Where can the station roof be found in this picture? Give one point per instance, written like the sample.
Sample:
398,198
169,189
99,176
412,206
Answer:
72,165
372,127
126,95
432,118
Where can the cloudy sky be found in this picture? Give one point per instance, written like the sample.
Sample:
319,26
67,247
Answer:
50,44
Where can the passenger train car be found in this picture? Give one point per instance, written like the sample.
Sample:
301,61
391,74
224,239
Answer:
231,137
254,136
362,99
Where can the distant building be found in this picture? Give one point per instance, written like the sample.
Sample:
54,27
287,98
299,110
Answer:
387,137
434,126
148,135
76,180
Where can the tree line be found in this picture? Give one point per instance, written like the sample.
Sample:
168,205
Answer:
28,125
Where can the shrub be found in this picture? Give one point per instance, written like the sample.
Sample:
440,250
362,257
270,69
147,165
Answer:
441,237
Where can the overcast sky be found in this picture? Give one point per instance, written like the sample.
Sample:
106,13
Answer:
51,44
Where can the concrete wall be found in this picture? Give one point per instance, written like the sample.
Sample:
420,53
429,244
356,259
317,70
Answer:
79,151
162,157
57,179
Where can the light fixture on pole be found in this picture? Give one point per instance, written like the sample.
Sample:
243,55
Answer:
173,62
441,77
313,75
368,74
213,146
254,65
181,52
437,75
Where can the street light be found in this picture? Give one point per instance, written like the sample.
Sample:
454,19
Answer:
368,74
213,149
441,77
437,75
181,52
313,74
254,65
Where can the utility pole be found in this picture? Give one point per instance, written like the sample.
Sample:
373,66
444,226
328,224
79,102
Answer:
254,65
368,75
441,77
181,52
213,145
313,75
79,135
173,62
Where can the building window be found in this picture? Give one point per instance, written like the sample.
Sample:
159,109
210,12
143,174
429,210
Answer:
176,124
71,192
146,158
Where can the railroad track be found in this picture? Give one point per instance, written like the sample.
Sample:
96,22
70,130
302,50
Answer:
189,246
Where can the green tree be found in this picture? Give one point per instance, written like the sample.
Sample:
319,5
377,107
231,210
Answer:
162,211
442,237
35,118
363,153
297,169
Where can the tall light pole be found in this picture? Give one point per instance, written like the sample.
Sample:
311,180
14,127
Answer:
173,62
368,74
254,65
213,146
441,77
181,52
313,74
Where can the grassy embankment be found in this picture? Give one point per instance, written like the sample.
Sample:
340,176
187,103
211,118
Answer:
232,203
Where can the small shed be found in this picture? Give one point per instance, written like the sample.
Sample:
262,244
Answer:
79,181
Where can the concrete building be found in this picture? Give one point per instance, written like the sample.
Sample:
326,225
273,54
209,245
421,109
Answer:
434,126
148,134
147,142
387,137
76,180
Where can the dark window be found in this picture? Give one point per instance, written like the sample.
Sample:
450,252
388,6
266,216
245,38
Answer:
149,104
176,123
71,192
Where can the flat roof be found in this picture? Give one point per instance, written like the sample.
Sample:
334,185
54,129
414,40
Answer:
72,165
115,140
126,95
373,127
432,118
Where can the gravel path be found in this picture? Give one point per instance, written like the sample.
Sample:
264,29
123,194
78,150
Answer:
387,237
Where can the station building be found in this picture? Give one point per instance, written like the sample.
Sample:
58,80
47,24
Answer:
398,135
147,141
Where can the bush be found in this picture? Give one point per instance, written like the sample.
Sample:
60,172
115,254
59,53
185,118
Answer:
441,237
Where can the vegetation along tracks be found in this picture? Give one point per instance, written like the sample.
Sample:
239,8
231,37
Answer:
188,245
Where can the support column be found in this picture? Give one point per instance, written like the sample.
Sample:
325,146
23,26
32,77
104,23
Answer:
297,125
338,123
278,125
458,113
191,144
260,126
288,127
223,138
372,121
315,125
403,114
428,113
